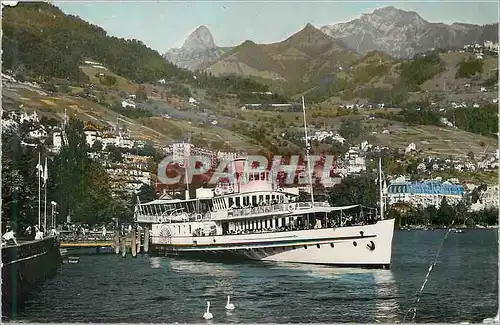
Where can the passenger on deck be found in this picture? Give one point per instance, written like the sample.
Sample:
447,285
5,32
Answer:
29,231
52,232
38,234
9,236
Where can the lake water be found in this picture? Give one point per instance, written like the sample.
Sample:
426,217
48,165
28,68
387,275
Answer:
463,286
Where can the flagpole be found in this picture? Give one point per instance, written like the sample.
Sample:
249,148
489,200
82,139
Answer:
45,177
39,195
309,172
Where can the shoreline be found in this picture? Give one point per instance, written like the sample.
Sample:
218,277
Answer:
431,227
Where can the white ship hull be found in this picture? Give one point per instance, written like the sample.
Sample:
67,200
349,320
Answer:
355,246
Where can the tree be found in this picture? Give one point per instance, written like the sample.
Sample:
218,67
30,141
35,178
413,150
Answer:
141,93
82,187
146,193
359,189
96,146
115,154
350,128
446,213
70,169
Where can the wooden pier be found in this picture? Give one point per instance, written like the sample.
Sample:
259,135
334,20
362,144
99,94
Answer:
134,243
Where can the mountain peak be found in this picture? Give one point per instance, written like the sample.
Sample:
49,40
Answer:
199,39
307,30
396,14
403,33
388,9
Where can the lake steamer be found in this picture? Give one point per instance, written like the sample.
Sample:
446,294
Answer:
257,220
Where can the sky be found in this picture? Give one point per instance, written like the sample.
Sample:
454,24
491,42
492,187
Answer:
162,25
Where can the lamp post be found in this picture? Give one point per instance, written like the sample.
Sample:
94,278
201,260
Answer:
53,216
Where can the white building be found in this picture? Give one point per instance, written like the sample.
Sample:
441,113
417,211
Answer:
124,142
108,139
354,163
226,156
487,199
91,134
128,103
180,151
38,132
57,140
9,125
411,147
25,117
365,146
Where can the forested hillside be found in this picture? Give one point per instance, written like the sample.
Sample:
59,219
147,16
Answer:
40,38
42,42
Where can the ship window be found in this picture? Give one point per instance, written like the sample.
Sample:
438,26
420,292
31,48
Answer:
231,201
254,199
355,244
256,176
261,198
331,244
189,228
262,176
317,245
251,177
268,198
305,246
238,201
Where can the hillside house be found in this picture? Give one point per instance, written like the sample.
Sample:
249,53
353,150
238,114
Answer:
91,134
123,141
128,103
30,118
411,147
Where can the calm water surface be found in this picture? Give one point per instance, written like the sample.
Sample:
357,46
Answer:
107,288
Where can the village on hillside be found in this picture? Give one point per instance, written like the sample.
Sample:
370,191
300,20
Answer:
134,166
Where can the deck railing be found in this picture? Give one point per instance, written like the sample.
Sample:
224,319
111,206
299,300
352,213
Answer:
259,210
234,213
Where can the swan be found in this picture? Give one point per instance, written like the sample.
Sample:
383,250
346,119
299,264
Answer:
208,314
229,306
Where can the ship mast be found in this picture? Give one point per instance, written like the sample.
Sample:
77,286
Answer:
381,187
187,155
307,151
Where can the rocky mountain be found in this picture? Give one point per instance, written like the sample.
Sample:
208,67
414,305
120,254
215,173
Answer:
197,52
404,33
292,65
